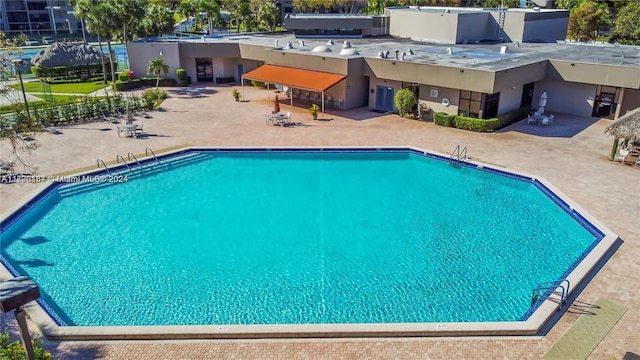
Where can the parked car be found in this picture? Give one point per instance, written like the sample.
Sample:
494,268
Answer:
47,40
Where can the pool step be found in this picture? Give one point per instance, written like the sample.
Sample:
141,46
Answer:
146,169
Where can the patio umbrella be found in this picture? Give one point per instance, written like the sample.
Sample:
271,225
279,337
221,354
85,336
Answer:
543,102
276,103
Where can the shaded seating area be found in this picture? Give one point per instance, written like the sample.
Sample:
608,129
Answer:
306,87
626,144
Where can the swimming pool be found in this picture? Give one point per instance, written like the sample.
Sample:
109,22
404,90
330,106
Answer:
232,238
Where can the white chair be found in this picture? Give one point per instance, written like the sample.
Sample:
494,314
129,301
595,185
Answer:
622,155
545,121
287,117
531,120
551,117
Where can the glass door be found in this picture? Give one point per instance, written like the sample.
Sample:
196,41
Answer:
204,70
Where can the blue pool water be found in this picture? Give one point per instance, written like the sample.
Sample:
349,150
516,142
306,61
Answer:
294,238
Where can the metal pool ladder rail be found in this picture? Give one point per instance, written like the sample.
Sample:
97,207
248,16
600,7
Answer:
458,155
100,161
131,155
148,150
551,285
118,157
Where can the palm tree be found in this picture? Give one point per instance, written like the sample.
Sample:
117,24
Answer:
157,66
268,15
157,21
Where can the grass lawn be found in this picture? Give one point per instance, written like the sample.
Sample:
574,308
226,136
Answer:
69,88
57,98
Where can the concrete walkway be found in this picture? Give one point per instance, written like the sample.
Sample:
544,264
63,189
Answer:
572,154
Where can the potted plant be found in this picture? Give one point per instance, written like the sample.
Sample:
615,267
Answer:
313,110
236,94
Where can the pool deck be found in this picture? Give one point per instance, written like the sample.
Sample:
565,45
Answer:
572,155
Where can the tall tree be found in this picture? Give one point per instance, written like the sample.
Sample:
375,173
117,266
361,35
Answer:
627,25
126,16
102,19
157,67
585,20
269,15
158,20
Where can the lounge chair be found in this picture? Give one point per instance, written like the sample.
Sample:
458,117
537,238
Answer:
107,116
622,155
51,129
121,112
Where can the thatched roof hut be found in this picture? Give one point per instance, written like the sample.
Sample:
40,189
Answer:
627,126
67,54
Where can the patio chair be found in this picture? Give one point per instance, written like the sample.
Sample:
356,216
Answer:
121,130
139,130
107,116
121,112
551,117
51,129
531,120
622,155
287,117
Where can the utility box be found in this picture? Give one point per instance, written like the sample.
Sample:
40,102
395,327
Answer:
17,292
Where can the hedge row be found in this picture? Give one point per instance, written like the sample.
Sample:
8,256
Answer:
70,72
480,125
137,83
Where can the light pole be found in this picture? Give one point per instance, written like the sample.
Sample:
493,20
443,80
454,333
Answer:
53,17
17,63
84,37
69,26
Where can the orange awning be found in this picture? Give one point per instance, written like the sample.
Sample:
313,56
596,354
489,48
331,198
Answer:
295,78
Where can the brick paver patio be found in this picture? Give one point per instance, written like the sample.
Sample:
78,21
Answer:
572,154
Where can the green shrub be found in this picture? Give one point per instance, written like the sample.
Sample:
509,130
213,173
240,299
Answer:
36,71
404,101
14,350
151,99
123,75
475,124
127,85
181,74
444,119
257,83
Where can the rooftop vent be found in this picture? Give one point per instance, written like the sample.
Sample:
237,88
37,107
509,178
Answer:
346,44
330,42
504,49
288,46
449,51
276,43
381,55
516,44
350,51
321,49
301,42
410,52
386,54
403,55
397,54
537,9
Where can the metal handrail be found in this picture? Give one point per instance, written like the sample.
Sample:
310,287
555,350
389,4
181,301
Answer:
130,155
99,161
557,283
146,152
535,294
118,157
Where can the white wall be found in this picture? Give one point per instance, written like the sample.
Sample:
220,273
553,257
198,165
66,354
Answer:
141,53
435,103
566,97
510,99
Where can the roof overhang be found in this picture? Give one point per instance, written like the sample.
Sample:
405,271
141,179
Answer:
295,78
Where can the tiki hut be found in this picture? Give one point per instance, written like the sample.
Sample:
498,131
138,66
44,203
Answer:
67,54
627,127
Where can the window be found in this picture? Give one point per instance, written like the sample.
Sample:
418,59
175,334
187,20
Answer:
469,103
